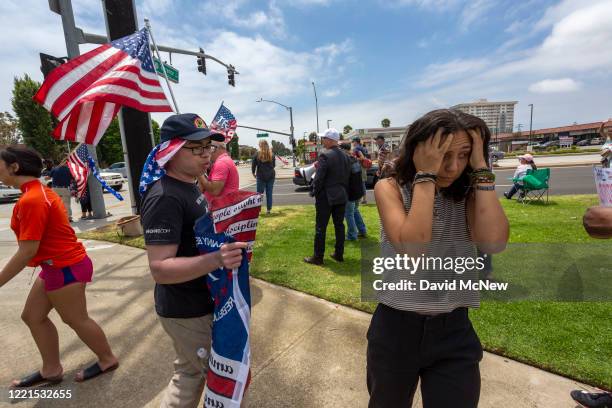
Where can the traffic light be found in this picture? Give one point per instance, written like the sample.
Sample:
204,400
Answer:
202,63
48,63
230,76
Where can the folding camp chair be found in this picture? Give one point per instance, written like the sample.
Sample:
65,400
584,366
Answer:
535,185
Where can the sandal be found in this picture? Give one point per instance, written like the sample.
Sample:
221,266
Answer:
37,378
95,370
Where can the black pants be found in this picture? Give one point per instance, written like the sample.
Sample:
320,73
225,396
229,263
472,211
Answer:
324,211
443,351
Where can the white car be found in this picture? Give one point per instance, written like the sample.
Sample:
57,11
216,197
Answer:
114,180
9,194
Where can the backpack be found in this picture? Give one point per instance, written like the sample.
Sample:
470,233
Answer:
356,188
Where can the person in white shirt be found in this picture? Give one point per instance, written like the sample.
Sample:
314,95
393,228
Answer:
526,163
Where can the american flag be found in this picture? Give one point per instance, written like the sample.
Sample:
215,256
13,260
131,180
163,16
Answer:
225,123
153,168
86,93
78,162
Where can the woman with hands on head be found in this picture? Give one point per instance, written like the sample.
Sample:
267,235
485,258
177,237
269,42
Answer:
441,201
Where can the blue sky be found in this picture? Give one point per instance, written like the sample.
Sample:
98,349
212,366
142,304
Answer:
369,59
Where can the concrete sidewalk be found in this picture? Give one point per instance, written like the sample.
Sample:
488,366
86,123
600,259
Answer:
306,352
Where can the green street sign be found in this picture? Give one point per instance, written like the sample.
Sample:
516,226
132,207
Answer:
173,73
262,135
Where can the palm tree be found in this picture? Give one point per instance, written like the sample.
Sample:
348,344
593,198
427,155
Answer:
347,129
385,123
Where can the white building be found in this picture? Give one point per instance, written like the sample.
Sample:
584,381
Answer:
499,116
393,137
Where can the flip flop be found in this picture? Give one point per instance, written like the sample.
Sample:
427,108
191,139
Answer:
37,378
95,370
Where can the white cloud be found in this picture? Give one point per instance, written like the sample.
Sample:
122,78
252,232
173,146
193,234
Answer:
555,86
331,93
473,11
229,10
437,74
439,5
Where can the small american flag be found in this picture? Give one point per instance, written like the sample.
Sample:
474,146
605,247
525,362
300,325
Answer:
86,93
153,168
225,123
78,164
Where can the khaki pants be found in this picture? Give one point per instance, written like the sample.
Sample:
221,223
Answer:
64,194
187,383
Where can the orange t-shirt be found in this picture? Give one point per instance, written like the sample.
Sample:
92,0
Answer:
39,215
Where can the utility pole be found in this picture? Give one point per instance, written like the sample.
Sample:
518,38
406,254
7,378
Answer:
328,120
64,8
530,122
121,20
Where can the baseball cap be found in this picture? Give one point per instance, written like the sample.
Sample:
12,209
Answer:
527,157
187,126
330,133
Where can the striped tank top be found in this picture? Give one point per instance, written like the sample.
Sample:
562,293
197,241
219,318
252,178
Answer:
450,240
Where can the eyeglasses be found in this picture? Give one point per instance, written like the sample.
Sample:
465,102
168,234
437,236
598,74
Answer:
198,150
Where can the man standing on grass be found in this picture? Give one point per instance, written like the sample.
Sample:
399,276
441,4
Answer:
170,206
330,192
223,177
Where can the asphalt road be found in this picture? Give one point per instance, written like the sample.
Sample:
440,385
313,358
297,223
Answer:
563,180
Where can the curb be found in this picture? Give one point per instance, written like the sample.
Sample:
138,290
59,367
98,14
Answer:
550,165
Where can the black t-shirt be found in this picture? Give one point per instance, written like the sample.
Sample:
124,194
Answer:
169,210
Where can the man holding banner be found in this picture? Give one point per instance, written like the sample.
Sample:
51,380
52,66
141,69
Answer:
170,207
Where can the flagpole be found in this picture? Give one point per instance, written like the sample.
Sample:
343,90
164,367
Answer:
148,25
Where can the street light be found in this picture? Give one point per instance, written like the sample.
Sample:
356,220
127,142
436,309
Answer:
328,120
316,104
290,109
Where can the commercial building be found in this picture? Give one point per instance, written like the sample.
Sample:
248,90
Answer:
393,137
499,116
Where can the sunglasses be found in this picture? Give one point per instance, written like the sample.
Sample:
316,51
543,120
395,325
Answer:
198,150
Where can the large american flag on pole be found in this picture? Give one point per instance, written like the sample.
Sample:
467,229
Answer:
225,123
86,93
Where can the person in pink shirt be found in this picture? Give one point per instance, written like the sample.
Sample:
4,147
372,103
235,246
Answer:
223,177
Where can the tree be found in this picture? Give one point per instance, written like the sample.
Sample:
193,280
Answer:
385,123
110,149
300,148
347,129
247,152
312,137
279,149
233,148
35,123
9,129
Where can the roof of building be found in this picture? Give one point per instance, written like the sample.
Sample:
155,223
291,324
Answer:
547,131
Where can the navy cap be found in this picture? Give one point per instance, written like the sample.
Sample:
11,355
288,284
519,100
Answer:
188,126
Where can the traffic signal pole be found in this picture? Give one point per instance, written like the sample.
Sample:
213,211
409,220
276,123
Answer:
72,46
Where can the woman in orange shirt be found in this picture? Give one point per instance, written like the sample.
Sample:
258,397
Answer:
45,239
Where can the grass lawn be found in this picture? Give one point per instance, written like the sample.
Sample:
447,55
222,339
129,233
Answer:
573,339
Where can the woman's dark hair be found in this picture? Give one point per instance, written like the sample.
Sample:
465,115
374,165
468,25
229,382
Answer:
533,165
29,160
451,120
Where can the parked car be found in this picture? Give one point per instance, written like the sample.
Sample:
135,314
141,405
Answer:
114,180
118,167
550,143
497,155
584,142
9,194
596,141
303,176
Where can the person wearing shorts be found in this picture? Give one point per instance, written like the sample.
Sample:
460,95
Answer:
46,239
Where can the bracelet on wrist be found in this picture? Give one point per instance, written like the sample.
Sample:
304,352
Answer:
424,180
424,174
